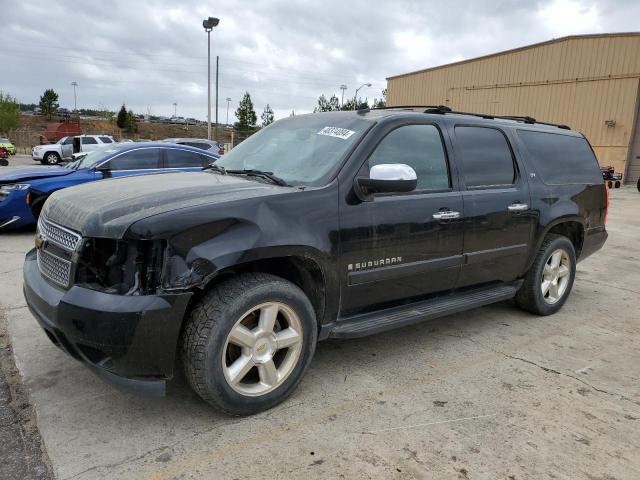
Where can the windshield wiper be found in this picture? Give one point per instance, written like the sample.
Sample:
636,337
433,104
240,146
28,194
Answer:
260,173
216,168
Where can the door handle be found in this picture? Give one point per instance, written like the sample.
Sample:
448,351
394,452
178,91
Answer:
518,207
446,215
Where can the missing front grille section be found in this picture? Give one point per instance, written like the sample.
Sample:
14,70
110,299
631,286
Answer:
119,267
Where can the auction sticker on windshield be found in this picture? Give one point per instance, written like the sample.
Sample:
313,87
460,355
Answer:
337,132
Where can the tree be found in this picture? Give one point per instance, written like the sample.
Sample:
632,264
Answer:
132,124
49,103
360,104
267,116
245,114
324,105
9,112
382,102
122,117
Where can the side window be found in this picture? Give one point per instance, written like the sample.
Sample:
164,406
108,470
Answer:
485,157
420,147
141,159
203,146
183,159
68,141
561,159
89,141
105,139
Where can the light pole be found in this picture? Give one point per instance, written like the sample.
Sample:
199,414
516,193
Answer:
355,97
208,24
228,101
175,107
75,105
343,88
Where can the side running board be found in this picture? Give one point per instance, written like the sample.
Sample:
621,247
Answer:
374,322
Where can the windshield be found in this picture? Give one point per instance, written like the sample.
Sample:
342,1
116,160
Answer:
301,150
89,159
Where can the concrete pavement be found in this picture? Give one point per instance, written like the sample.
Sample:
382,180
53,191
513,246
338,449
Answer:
491,393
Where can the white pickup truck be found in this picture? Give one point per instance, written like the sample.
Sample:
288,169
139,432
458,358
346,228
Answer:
63,149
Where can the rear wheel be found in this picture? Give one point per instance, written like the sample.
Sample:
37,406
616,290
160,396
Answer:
617,184
51,158
549,280
248,342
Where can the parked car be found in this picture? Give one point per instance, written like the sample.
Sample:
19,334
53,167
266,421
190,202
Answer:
7,145
329,225
23,191
201,143
63,149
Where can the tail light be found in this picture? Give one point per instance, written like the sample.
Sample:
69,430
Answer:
606,203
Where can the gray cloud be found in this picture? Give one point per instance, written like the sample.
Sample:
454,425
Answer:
151,54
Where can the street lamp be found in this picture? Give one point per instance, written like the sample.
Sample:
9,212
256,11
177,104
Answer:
228,100
355,97
75,106
175,107
343,88
208,24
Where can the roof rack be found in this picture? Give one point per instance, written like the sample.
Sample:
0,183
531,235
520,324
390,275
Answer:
442,110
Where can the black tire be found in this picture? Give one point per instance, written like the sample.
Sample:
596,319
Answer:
617,184
530,296
610,184
638,185
50,158
207,329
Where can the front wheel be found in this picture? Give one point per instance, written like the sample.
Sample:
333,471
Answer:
51,158
248,342
549,280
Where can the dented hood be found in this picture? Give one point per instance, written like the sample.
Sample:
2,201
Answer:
30,173
107,208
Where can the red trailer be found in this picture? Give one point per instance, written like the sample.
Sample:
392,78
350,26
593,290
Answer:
55,131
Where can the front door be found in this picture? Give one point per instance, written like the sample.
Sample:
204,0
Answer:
406,245
498,218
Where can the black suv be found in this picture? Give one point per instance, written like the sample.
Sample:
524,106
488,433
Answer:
330,225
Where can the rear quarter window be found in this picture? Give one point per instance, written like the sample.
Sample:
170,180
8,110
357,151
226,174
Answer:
561,159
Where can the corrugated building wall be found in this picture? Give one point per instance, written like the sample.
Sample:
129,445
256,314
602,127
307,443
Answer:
589,82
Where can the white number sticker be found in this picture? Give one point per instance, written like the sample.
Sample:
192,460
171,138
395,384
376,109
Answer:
337,132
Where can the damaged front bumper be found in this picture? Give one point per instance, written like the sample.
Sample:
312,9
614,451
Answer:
129,340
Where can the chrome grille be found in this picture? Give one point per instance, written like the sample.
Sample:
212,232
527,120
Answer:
56,269
61,236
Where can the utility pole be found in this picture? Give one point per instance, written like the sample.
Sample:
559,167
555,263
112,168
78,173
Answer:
208,24
343,88
175,107
75,105
228,100
355,97
217,129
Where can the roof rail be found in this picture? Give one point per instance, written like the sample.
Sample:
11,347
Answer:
442,110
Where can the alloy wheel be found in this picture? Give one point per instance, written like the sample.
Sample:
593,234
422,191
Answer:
556,276
262,349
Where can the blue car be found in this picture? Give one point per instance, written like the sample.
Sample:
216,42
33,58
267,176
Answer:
23,191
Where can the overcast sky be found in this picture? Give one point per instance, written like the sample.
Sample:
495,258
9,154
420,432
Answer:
150,54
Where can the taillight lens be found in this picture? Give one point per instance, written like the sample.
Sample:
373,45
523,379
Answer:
606,203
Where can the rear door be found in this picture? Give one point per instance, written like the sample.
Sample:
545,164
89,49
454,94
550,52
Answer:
89,144
495,192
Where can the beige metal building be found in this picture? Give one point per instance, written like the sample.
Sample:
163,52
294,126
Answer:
589,82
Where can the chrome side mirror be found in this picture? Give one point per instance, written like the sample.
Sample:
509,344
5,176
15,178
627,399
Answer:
387,178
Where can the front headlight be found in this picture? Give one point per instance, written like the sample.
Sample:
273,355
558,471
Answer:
5,190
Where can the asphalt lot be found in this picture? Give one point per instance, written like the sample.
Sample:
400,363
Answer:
487,394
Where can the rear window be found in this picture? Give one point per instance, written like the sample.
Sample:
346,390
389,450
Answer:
561,159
